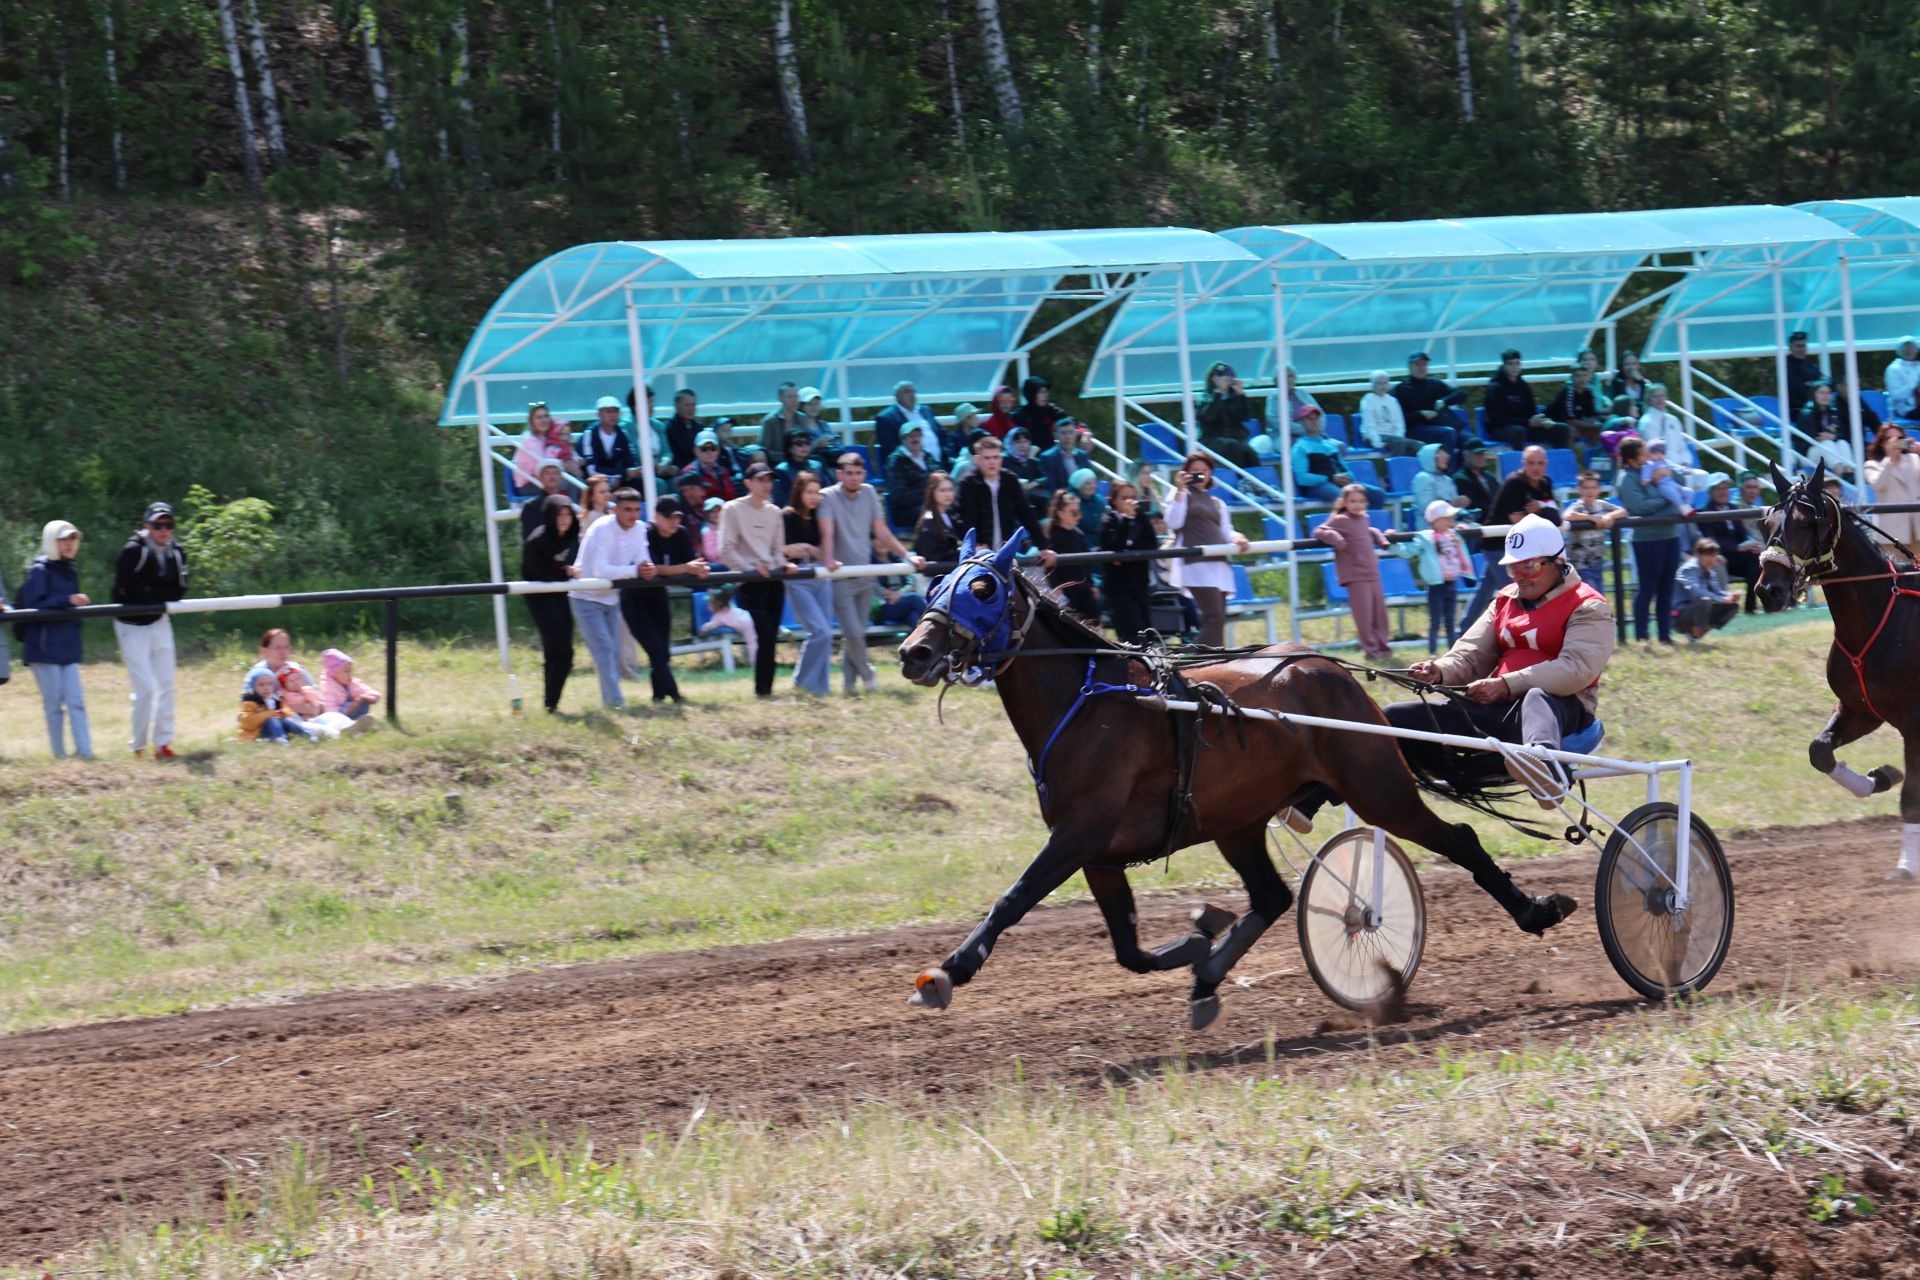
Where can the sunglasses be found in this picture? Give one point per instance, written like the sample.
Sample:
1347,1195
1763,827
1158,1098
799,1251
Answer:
1527,568
709,448
161,524
535,404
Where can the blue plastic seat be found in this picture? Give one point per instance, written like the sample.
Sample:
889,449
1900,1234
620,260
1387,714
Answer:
1243,588
1396,578
1269,476
1363,471
1337,427
1876,401
1161,443
1509,462
1400,474
1336,594
1563,468
1586,741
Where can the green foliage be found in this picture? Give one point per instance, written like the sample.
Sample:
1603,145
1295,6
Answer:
1832,1203
225,542
35,235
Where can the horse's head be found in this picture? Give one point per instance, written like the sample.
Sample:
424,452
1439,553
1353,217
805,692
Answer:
969,624
1803,529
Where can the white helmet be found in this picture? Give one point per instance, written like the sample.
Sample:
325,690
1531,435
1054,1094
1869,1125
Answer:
1532,537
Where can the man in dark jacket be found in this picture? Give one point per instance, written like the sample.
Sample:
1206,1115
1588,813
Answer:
992,503
1039,414
1513,415
151,569
1803,370
890,424
604,448
1428,406
1068,455
684,427
1526,492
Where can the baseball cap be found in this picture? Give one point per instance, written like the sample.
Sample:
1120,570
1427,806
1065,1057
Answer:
1419,355
961,412
706,436
1441,509
687,479
1473,444
668,505
607,402
714,504
1532,537
809,393
757,469
154,511
1306,411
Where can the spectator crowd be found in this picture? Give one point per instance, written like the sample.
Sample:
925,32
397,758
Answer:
793,494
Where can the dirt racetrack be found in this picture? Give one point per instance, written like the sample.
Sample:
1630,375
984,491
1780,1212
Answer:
99,1121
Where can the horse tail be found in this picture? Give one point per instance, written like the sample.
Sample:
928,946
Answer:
1449,773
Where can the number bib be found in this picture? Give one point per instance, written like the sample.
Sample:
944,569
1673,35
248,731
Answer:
1529,636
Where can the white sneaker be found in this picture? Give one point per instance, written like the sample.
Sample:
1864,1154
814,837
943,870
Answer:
1537,776
1295,819
361,725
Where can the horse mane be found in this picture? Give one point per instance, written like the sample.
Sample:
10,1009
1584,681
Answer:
1077,628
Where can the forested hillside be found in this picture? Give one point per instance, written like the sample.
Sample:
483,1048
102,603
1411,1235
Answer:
242,241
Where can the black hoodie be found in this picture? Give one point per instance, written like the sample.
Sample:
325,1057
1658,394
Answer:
1038,419
545,555
146,574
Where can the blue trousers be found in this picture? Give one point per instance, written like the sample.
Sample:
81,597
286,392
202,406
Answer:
65,702
1654,563
599,626
812,601
1442,603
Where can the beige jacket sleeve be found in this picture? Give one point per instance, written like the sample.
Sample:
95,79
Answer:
1583,655
1475,654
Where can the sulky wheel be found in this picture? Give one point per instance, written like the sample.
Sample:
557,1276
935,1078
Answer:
1658,950
1361,932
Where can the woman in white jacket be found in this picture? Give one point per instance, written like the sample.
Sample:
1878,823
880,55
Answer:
1893,469
1383,424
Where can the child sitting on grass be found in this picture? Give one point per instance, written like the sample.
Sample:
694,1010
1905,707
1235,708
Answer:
340,690
1353,539
262,718
722,612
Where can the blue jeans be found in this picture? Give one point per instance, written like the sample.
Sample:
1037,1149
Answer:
600,627
60,692
1493,578
1654,563
812,601
1442,602
1328,491
1595,576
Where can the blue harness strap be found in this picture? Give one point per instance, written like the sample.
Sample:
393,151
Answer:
1088,688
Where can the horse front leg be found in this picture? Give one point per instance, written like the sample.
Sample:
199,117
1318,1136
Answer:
1847,725
1268,898
1907,870
1063,854
1115,898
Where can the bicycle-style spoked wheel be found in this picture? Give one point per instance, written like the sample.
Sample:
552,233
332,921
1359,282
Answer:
1659,950
1363,920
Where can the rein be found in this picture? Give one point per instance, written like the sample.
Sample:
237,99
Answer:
1820,566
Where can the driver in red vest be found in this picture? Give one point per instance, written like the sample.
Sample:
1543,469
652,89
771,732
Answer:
1531,664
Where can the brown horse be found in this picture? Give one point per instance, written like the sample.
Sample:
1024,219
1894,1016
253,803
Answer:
1108,769
1871,668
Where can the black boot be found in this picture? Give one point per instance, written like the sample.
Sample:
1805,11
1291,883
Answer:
1541,914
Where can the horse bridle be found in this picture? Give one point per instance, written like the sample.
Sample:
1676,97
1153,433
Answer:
1824,559
977,662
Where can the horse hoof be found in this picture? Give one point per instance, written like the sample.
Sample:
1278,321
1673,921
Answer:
1201,1013
1885,778
1212,920
932,989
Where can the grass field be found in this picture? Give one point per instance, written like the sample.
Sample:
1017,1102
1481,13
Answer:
467,842
1772,1129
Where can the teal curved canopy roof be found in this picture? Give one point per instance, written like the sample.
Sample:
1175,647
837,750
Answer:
1728,305
851,315
1363,296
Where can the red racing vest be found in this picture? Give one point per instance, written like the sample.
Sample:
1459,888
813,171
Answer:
1528,636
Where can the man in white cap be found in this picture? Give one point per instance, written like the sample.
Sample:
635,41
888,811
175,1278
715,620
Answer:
1530,665
605,448
1903,380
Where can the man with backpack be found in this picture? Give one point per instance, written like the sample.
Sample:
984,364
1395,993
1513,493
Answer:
151,569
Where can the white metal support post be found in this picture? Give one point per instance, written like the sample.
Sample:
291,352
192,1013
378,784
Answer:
846,414
1285,435
1186,362
642,411
1120,410
1686,372
490,495
1780,371
1613,360
1853,363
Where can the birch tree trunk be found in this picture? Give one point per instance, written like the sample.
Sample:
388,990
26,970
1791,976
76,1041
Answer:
7,181
953,75
673,91
787,61
113,99
66,118
1513,43
1339,24
269,99
1465,62
553,75
382,99
242,105
1270,24
1093,49
999,69
463,97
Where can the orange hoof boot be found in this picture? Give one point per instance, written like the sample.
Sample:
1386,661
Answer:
932,989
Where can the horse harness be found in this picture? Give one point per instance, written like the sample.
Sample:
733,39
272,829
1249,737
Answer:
1822,563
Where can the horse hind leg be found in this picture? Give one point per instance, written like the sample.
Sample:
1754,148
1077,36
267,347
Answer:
1115,898
1907,870
1268,898
1382,792
1847,726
